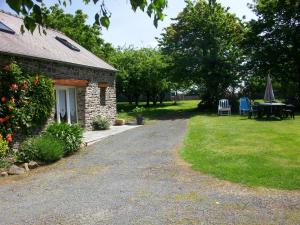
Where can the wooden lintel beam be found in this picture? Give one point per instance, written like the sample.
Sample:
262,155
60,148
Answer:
71,82
103,85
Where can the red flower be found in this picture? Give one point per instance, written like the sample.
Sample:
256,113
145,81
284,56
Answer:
6,68
9,138
12,100
3,99
3,120
14,87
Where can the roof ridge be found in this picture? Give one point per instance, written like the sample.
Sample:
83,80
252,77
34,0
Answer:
22,18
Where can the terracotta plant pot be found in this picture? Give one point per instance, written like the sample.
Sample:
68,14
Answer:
119,122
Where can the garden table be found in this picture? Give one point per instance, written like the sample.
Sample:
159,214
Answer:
270,109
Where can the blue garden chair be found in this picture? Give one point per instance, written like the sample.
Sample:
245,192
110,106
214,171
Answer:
245,105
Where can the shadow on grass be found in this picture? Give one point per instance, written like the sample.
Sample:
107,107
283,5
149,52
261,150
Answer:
166,111
182,110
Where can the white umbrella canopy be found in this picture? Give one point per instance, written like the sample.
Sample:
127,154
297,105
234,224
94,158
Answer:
269,94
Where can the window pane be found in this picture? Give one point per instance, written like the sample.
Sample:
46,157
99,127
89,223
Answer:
72,99
62,105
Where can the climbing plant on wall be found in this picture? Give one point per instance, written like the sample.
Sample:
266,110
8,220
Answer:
26,100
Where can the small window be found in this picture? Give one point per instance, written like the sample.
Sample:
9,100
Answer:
103,96
6,29
68,44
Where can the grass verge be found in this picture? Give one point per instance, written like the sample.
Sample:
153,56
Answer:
251,152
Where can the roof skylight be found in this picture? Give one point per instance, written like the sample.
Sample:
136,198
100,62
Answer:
68,44
5,28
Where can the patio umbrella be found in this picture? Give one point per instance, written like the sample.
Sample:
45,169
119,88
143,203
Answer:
269,94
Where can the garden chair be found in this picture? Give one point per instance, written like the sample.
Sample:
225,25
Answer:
289,111
224,108
245,106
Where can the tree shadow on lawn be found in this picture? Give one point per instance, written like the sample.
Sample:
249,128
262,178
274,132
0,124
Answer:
166,111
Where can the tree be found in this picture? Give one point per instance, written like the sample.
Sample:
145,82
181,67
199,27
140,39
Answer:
203,43
273,45
141,72
75,27
33,13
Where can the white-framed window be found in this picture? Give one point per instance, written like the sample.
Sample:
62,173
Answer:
66,104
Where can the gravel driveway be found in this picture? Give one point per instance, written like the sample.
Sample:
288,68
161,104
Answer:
136,177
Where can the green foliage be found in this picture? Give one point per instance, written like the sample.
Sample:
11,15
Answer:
69,134
49,149
100,123
34,12
204,46
44,148
27,151
3,148
141,71
26,100
272,45
138,110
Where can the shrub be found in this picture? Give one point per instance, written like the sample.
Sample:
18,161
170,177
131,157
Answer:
26,100
27,151
3,148
70,135
138,111
44,148
49,149
100,123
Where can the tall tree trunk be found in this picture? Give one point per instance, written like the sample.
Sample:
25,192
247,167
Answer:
129,99
154,100
136,99
148,99
161,98
175,98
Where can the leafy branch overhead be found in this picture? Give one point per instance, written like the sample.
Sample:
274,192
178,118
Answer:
35,14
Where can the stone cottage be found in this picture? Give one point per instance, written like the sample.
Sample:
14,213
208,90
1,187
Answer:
84,84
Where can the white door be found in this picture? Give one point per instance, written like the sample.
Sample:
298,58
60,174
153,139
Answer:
66,104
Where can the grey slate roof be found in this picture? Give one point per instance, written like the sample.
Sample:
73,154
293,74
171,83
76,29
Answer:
45,46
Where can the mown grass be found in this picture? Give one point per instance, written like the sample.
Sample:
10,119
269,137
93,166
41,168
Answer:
251,152
160,111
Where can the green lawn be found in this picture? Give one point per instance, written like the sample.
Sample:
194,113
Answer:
255,153
168,109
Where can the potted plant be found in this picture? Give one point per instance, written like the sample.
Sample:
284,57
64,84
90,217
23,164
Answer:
139,116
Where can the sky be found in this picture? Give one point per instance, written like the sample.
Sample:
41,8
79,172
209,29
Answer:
136,28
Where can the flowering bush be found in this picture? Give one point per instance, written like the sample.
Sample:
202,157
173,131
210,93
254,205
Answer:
26,100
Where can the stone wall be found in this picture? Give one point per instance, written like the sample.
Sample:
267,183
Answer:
88,98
